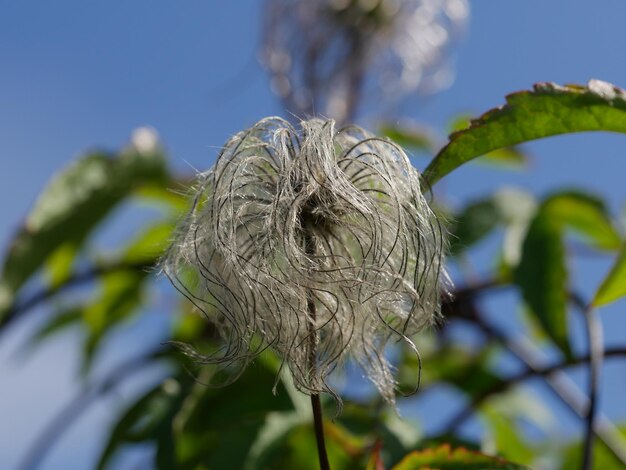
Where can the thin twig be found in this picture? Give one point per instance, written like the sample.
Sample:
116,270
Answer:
595,341
64,419
463,415
561,384
455,304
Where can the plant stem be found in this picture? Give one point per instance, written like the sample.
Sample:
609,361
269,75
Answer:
318,420
319,432
316,405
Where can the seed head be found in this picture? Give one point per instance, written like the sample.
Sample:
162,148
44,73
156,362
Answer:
326,56
314,242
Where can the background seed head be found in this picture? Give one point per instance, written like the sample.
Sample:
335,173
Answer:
328,56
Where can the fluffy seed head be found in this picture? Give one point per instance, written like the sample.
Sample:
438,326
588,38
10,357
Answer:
315,242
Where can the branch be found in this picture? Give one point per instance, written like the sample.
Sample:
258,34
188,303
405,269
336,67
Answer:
18,310
514,380
595,341
560,383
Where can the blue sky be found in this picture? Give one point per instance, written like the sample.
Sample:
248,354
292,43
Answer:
76,74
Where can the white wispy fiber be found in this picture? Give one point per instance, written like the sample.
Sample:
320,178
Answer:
315,242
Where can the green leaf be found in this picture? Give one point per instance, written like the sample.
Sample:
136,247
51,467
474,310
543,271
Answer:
510,157
506,157
542,273
150,245
444,458
460,123
547,110
196,426
504,414
173,195
542,277
72,204
508,207
506,437
613,286
61,261
120,296
585,214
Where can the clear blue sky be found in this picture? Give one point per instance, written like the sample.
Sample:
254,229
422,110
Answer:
76,74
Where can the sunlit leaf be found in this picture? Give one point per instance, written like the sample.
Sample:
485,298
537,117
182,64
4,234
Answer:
547,110
585,214
503,416
506,157
460,123
296,447
120,295
197,426
506,437
509,157
150,245
61,261
173,194
613,286
444,458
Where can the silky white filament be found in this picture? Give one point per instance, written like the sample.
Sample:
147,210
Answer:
315,242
